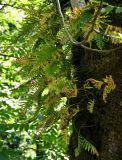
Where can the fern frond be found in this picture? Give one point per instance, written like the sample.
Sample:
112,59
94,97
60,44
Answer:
90,106
88,146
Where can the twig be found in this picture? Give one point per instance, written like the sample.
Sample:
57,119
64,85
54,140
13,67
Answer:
93,21
5,55
106,35
9,5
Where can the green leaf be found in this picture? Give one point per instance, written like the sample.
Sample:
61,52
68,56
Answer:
99,41
107,9
119,10
77,152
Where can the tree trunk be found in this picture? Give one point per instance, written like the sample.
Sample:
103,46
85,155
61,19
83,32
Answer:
103,127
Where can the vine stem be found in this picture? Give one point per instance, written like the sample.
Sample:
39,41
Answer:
75,42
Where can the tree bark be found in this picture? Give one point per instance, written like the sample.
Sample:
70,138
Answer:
103,127
111,122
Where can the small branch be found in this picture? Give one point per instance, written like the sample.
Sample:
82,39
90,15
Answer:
106,35
9,5
5,55
94,21
24,83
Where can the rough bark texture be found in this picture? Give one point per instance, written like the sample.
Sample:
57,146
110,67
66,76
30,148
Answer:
103,127
111,122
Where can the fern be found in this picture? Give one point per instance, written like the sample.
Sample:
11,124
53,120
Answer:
90,106
80,20
86,145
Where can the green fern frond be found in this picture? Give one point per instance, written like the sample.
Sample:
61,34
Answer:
88,146
82,19
90,106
